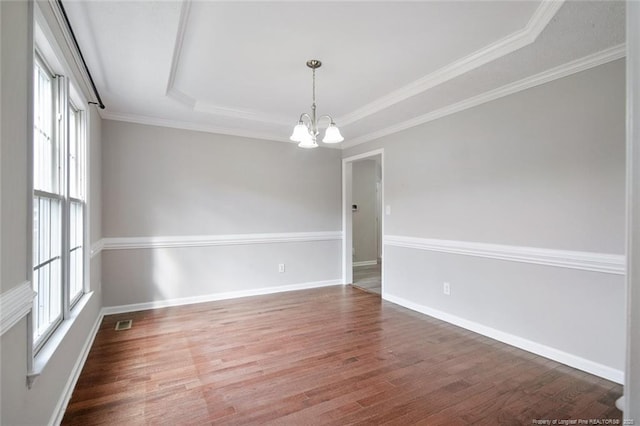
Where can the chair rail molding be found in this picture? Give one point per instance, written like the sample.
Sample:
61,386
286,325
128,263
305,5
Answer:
587,261
96,248
123,243
15,304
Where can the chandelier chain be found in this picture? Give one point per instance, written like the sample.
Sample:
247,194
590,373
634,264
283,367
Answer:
314,86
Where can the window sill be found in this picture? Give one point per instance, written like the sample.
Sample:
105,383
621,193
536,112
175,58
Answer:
47,352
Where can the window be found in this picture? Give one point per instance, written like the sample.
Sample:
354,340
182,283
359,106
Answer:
76,203
58,202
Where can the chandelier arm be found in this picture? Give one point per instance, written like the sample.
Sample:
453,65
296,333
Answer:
305,115
329,117
311,121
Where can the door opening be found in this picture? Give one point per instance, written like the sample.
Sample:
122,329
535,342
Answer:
363,222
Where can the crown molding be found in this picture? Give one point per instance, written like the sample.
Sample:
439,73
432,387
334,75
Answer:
538,22
217,110
586,261
245,114
527,35
198,127
181,97
177,51
199,106
564,70
187,125
582,64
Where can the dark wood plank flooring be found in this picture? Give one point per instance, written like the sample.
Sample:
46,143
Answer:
336,355
368,278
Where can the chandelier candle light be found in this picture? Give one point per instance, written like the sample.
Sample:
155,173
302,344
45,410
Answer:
306,131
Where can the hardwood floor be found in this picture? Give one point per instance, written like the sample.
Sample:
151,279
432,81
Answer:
368,278
335,355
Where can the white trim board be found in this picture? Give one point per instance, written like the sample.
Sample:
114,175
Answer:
564,70
599,58
74,375
566,358
509,44
524,36
96,248
15,303
586,261
365,263
123,243
347,215
217,296
188,125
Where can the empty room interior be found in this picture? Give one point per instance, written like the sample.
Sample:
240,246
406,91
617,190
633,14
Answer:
313,212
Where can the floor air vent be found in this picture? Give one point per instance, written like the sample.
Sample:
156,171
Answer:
123,325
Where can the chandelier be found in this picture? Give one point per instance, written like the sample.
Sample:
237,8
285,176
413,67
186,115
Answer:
306,130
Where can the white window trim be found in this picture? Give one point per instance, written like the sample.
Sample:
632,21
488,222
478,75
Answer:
46,46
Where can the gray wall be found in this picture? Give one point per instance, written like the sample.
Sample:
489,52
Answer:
168,182
15,61
541,168
632,381
20,405
364,220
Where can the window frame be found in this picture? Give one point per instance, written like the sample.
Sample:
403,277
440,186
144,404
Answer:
38,194
66,101
79,198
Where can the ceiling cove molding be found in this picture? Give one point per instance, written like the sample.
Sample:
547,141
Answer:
245,114
537,23
175,59
493,51
187,125
125,243
590,61
194,104
197,127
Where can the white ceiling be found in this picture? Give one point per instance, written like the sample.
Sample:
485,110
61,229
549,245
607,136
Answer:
238,67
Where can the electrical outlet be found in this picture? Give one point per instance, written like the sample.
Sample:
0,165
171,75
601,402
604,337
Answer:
281,267
446,289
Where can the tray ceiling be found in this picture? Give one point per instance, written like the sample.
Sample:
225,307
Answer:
239,67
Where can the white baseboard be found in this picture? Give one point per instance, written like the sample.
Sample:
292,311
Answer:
217,296
365,263
571,360
61,406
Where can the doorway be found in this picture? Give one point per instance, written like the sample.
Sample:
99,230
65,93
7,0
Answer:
363,221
